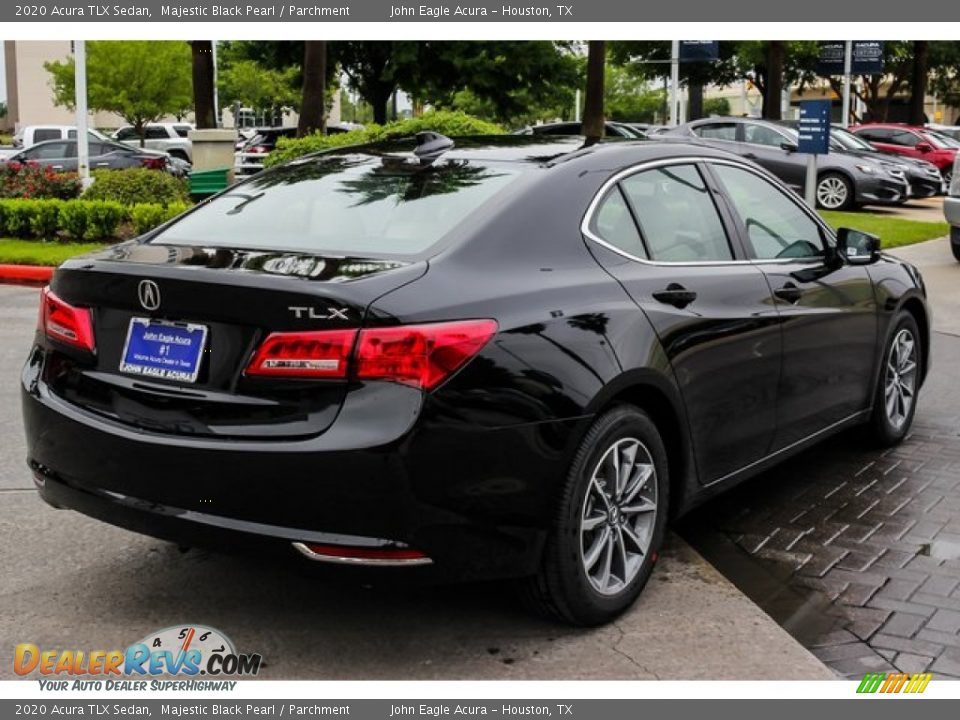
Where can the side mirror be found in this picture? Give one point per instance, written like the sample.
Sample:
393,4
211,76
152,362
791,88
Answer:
858,247
924,147
788,146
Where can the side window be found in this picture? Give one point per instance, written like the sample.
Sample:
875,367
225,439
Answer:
875,134
613,223
777,227
48,151
157,132
127,133
677,216
717,131
905,139
182,130
41,134
762,135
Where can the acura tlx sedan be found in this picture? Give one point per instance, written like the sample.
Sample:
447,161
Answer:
509,357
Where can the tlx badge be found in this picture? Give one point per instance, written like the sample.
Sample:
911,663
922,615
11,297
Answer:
312,313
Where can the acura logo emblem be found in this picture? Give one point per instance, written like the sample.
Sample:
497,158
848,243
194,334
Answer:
149,294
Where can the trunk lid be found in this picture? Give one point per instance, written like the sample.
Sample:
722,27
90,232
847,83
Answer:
239,297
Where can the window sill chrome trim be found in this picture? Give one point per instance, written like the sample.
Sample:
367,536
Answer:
688,160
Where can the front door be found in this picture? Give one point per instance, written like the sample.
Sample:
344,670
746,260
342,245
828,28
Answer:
828,312
711,309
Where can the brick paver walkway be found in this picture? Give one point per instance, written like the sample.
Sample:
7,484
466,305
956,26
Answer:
866,543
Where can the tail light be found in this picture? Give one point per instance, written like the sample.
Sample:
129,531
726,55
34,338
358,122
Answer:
65,323
322,354
258,149
419,355
154,163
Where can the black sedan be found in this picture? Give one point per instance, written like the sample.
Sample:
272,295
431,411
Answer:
509,357
61,155
843,180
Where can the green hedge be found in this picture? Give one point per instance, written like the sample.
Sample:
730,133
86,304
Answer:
80,219
445,122
137,185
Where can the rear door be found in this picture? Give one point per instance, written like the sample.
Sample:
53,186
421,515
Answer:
711,309
764,145
828,313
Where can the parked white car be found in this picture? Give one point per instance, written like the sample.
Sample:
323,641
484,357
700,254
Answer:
32,134
169,137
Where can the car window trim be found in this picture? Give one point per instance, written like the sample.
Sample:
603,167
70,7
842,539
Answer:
734,233
827,235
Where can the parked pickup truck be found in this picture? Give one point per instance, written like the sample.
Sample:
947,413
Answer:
951,209
30,135
169,137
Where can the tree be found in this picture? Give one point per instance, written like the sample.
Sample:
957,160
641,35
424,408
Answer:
628,98
716,106
593,118
918,82
203,109
313,109
142,81
264,90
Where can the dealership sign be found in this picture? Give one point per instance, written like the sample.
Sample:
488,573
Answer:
699,50
814,127
866,59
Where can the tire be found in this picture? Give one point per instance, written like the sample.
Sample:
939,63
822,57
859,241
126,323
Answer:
893,408
955,242
835,192
568,586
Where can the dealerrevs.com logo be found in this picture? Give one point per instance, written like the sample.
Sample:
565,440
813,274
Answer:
180,651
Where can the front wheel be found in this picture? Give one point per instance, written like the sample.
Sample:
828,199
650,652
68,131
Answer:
955,242
609,525
895,401
835,192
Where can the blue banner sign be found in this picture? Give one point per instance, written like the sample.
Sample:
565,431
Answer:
699,50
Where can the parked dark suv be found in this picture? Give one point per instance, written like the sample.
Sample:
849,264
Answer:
509,357
843,181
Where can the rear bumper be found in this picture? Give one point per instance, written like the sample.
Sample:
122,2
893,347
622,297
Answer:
476,501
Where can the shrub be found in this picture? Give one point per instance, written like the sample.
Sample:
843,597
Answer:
137,185
46,218
448,123
30,181
18,217
103,218
148,216
73,219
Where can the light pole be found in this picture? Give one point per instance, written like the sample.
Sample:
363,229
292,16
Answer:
80,92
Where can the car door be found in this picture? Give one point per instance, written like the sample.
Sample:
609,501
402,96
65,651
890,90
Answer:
55,155
828,311
764,145
711,309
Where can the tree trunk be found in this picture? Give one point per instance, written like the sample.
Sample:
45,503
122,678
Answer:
380,101
918,82
695,104
203,111
313,106
593,120
776,57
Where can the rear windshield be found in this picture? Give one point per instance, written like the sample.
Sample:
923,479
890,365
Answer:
348,205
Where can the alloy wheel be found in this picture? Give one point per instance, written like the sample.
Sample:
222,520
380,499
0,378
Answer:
832,193
619,516
901,378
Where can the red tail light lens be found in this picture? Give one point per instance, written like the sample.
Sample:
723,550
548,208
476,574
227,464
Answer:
321,354
154,163
421,355
65,323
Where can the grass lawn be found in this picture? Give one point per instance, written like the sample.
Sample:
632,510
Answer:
893,232
34,252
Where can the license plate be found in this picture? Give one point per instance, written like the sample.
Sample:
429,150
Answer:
168,351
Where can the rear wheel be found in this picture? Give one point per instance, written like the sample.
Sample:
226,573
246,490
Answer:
955,242
896,398
834,192
609,525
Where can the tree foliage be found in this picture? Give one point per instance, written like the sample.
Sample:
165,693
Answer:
142,81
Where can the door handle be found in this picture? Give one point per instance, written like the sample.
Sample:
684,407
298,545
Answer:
676,295
789,292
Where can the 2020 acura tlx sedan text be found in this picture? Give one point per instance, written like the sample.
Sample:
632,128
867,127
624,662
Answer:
512,357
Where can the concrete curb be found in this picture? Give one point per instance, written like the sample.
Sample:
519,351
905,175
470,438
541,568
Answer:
26,274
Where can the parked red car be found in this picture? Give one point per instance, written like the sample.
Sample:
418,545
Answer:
912,141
